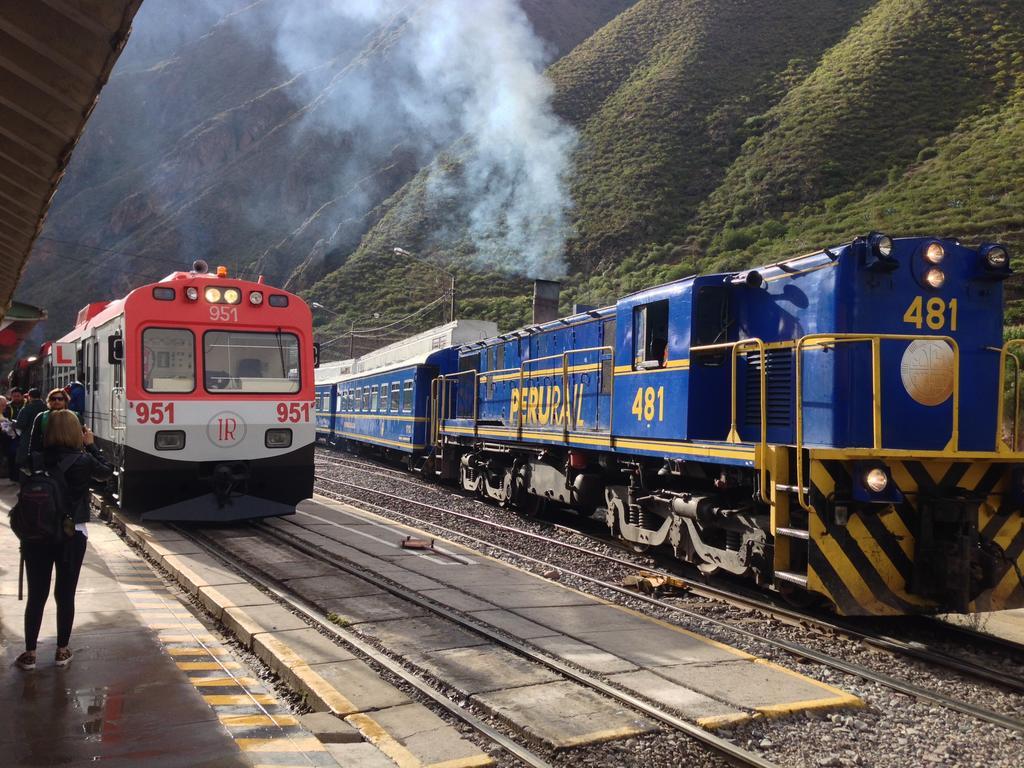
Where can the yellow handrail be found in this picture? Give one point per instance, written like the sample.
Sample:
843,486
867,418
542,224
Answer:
734,436
1003,352
875,339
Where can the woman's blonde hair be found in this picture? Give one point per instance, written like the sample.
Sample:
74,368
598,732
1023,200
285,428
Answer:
63,430
57,391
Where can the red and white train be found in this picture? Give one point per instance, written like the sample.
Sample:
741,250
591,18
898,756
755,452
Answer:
200,389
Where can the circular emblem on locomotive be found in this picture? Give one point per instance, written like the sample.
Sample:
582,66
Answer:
226,429
927,371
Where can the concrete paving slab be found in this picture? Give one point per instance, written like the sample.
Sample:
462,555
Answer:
297,569
429,738
693,705
359,756
564,715
331,586
538,594
583,654
216,599
307,644
330,729
200,570
591,616
383,607
419,635
360,684
482,668
758,685
456,599
513,624
658,646
253,619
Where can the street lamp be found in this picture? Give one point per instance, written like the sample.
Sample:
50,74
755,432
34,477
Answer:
442,270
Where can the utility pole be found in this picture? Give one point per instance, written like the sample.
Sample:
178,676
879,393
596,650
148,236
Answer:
442,270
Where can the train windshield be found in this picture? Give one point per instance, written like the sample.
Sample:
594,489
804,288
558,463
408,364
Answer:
242,361
168,360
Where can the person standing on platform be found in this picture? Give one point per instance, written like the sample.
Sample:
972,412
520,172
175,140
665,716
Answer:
76,399
26,418
56,400
67,443
15,402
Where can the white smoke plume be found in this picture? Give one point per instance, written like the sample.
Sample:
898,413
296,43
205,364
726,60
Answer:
461,71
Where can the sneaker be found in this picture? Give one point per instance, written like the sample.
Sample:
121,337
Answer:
63,657
27,661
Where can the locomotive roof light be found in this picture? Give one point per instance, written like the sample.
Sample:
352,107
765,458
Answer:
212,295
192,293
255,298
935,278
881,244
222,271
996,260
934,253
879,256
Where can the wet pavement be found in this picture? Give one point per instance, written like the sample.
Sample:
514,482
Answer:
148,684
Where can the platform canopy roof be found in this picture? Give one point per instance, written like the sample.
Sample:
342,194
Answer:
55,57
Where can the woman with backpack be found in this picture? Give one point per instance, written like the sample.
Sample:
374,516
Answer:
68,449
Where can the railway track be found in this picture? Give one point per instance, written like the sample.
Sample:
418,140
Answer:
736,755
706,587
797,649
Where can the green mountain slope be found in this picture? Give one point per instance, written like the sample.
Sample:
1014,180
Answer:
719,134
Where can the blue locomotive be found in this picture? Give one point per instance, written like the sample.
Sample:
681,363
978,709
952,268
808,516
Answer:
799,424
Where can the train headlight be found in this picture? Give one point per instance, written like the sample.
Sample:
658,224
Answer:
169,440
278,438
876,480
997,258
255,298
934,253
232,296
935,278
882,244
212,295
192,293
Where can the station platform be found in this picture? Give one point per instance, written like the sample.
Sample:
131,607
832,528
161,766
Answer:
150,683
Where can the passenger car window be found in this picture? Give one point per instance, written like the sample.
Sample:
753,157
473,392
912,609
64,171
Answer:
407,397
396,396
168,360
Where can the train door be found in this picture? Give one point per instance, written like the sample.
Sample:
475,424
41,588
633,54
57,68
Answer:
114,384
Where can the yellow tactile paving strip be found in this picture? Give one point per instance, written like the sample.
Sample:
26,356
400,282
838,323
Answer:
265,732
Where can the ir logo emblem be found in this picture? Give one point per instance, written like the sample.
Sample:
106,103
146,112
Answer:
226,429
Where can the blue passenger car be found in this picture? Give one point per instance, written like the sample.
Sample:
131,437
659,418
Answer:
389,408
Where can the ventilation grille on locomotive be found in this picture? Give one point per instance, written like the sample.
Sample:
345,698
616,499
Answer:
779,380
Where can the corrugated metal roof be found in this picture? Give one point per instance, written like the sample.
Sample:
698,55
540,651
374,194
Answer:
55,57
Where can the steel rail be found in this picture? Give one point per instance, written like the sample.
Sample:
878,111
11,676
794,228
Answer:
796,649
312,614
883,642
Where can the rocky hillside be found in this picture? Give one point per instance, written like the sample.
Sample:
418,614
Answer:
708,134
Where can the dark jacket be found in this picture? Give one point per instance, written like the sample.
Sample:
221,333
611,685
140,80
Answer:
24,423
90,467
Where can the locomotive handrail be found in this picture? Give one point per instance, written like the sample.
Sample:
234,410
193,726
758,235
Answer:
565,385
476,392
1003,354
875,339
734,435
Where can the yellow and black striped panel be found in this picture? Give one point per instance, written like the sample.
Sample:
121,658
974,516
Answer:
866,566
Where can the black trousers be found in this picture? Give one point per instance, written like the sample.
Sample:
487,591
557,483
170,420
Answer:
40,560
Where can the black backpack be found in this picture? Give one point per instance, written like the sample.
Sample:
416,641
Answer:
42,513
